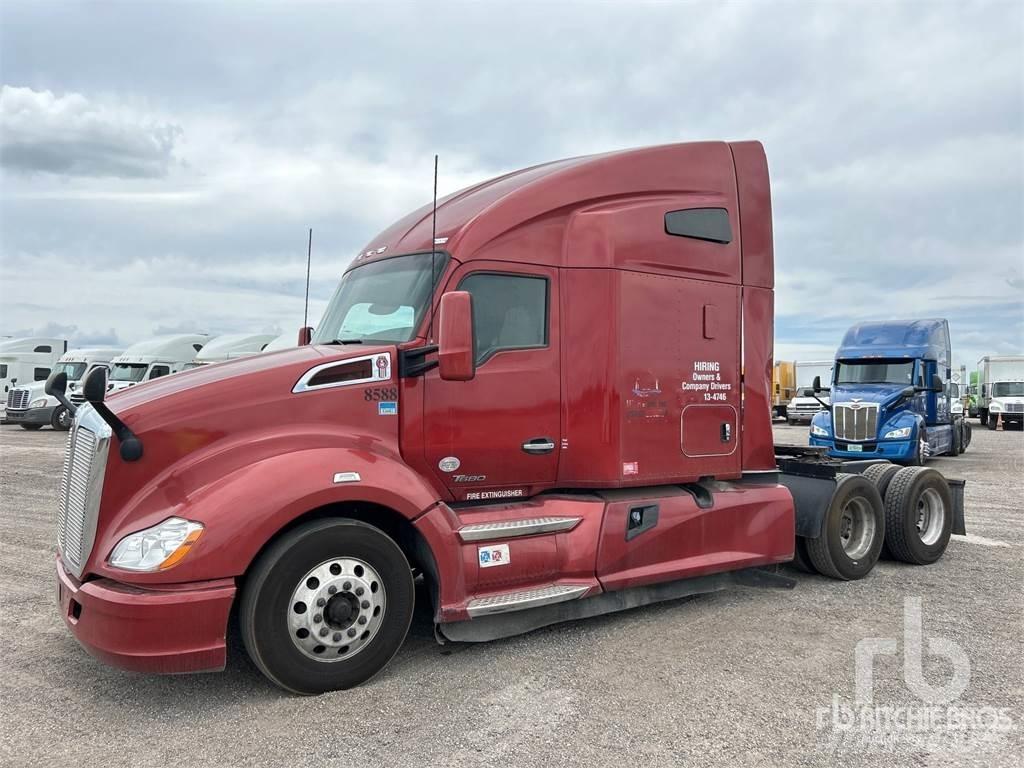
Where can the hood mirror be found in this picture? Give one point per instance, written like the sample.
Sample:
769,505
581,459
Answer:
94,388
305,335
56,386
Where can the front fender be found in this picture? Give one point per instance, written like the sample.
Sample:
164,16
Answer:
246,508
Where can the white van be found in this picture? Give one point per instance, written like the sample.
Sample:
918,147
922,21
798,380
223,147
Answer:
231,346
25,360
32,408
151,359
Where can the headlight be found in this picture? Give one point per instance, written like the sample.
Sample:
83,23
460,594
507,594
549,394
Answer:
818,431
38,403
898,433
995,407
157,548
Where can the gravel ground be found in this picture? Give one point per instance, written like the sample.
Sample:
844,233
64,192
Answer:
737,678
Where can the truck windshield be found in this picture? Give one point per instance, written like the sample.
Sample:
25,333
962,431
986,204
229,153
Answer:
875,372
128,371
73,370
381,301
1008,389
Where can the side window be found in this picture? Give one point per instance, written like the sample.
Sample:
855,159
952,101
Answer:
43,348
158,371
40,374
3,371
509,312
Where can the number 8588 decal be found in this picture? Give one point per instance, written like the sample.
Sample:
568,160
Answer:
373,394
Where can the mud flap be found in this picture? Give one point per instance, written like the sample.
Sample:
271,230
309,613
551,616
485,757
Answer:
956,488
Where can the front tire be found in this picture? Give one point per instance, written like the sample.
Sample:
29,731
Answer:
61,419
327,606
852,532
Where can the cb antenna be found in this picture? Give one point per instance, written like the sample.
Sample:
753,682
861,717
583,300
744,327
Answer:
433,252
309,260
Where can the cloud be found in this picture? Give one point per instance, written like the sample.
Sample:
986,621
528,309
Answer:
896,169
71,136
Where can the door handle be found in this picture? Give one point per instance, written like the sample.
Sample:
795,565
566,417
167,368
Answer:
726,432
539,445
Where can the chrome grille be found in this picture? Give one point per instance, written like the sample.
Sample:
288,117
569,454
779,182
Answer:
17,399
855,421
85,458
1015,407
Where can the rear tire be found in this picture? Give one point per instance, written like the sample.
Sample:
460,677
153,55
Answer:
968,433
31,427
362,626
852,532
957,448
801,560
881,475
918,515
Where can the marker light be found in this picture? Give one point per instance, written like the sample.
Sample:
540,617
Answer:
898,433
157,548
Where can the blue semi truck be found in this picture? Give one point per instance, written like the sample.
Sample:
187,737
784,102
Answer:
890,395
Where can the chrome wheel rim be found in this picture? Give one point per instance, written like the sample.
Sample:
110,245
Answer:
856,529
64,419
336,609
931,516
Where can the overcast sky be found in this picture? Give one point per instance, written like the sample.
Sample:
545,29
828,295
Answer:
160,163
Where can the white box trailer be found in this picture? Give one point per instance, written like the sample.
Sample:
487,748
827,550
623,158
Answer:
151,359
1001,389
32,408
231,346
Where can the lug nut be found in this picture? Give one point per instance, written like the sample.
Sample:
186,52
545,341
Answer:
365,604
337,637
320,603
317,619
362,619
347,586
351,632
323,632
331,589
359,591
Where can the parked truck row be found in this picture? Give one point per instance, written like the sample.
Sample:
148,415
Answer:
34,360
535,394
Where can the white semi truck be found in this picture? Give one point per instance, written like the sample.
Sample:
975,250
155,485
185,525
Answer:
804,405
151,359
32,408
1001,390
231,346
25,360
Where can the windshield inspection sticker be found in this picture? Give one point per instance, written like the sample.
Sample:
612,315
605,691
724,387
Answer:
496,554
388,408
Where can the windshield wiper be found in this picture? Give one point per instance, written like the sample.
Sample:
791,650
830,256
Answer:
347,341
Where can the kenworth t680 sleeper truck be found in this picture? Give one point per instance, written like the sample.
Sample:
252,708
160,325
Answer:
551,400
890,395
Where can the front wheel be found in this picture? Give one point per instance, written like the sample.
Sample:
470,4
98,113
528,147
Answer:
61,419
327,606
993,420
852,531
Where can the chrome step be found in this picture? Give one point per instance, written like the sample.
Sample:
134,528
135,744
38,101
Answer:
507,529
528,598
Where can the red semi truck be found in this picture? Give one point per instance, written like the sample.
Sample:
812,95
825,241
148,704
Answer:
551,399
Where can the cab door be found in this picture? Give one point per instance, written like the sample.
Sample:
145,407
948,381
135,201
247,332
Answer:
498,435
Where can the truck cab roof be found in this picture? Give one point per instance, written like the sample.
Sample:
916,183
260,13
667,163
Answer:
232,345
901,339
178,347
88,354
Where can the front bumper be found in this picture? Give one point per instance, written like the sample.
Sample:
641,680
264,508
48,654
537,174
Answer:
804,417
172,628
892,450
30,416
